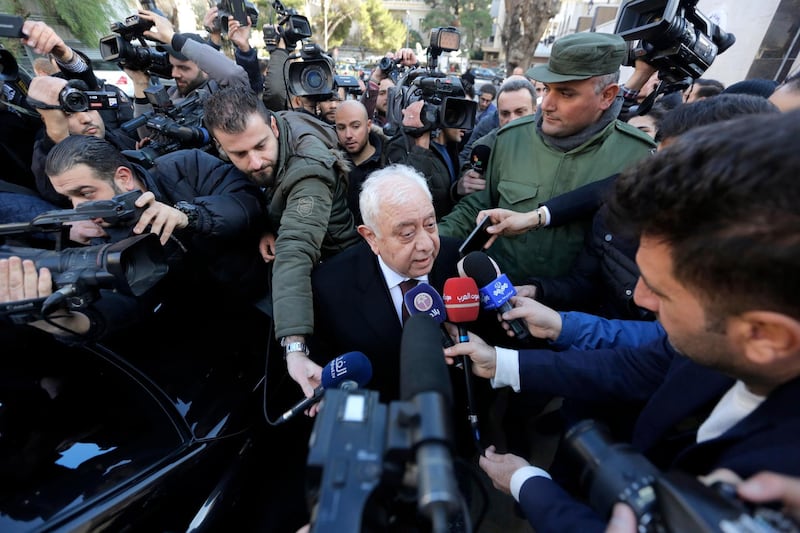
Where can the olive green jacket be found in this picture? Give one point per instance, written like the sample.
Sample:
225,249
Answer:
523,172
309,214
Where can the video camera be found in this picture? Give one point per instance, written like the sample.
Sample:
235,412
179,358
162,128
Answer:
446,105
348,83
671,502
292,27
173,126
11,26
372,464
238,10
118,48
72,99
132,266
313,76
674,37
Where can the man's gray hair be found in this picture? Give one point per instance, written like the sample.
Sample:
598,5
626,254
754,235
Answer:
603,81
389,186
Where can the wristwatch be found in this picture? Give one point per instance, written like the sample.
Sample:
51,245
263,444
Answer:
190,210
296,346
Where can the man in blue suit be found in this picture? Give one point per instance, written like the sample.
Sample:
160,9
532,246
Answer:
718,219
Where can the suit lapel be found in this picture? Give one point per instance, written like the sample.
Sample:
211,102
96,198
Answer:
377,311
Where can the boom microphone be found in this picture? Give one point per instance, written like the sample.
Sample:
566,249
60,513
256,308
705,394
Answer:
479,158
352,366
424,299
495,289
424,382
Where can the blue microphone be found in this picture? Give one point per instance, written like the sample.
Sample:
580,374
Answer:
423,299
350,367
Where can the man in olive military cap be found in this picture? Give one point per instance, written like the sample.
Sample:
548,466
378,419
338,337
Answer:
574,138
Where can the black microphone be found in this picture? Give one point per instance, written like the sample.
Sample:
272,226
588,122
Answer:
352,366
479,158
496,289
424,382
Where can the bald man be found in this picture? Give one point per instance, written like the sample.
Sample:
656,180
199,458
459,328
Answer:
363,144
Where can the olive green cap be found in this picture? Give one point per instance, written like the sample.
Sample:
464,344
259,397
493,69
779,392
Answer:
580,56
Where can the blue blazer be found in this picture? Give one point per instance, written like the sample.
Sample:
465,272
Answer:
767,439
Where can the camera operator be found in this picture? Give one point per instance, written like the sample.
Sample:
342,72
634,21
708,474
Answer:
380,79
718,260
74,64
245,55
45,92
196,66
207,214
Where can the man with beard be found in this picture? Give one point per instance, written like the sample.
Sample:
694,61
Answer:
364,147
305,183
197,68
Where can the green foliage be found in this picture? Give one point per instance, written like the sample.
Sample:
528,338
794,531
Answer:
88,20
476,24
380,31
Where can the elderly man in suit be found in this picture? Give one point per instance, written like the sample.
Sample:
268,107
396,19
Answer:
401,242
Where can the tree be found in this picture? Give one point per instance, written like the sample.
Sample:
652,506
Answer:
476,25
380,31
334,13
525,22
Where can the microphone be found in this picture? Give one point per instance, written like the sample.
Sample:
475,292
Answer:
425,384
479,158
496,289
424,299
352,367
462,301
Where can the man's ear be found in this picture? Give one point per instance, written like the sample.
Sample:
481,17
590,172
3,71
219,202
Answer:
125,179
369,236
609,94
273,124
766,337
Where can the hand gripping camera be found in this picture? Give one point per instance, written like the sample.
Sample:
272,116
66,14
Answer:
117,47
236,9
672,502
291,27
674,37
73,99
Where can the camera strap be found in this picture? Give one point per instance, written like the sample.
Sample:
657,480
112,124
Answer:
38,104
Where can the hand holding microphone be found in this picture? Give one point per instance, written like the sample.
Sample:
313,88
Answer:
352,367
495,288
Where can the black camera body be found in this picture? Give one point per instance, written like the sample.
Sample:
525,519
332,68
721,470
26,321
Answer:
74,100
671,502
676,38
348,83
236,9
313,76
117,47
446,105
173,126
291,26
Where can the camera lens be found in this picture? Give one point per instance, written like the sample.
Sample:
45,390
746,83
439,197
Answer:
314,79
74,101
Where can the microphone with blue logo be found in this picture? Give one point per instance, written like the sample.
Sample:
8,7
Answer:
495,288
424,299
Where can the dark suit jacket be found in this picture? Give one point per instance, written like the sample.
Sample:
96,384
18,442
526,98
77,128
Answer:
767,439
353,311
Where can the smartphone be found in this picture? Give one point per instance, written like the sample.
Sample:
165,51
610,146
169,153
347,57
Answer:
11,26
239,11
476,240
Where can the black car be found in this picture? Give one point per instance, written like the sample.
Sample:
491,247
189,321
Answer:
157,435
483,75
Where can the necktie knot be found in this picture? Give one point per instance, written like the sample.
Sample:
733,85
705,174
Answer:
406,286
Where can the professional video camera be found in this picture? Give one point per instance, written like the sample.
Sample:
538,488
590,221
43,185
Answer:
292,27
674,37
117,47
348,83
132,266
236,9
669,502
446,105
173,126
313,76
371,464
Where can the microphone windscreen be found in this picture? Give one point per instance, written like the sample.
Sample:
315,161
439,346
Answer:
480,267
424,299
352,366
461,300
422,366
479,157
